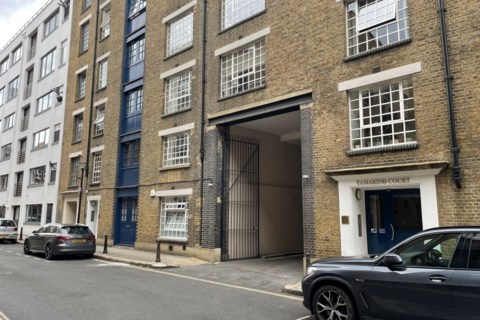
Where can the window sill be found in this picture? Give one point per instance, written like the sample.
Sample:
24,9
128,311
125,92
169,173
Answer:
101,89
98,136
182,166
3,190
73,187
101,40
46,36
83,52
94,184
51,72
177,53
173,240
55,142
79,99
402,146
42,112
175,113
27,223
382,48
39,148
6,129
136,14
15,62
242,22
51,183
242,93
76,142
35,185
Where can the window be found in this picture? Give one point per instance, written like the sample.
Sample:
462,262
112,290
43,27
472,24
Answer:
34,213
174,218
16,55
176,150
66,10
99,122
6,151
137,5
78,127
123,217
180,34
86,4
131,153
235,11
9,121
13,88
134,209
97,167
50,25
37,175
74,165
382,115
2,95
49,217
81,82
177,93
63,53
40,139
136,51
47,64
84,37
105,26
102,75
53,172
56,134
375,23
4,66
4,182
135,101
45,102
243,70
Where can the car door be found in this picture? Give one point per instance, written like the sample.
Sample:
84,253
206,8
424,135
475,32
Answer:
33,239
466,282
43,237
419,288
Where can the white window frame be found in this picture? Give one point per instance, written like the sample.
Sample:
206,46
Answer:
4,181
2,95
97,167
9,121
53,173
178,93
236,11
105,26
180,34
136,51
102,74
77,127
4,66
16,55
74,166
81,85
135,101
99,122
63,53
137,6
50,24
41,138
47,63
84,36
44,103
6,151
37,176
33,213
56,137
86,4
13,88
176,150
174,218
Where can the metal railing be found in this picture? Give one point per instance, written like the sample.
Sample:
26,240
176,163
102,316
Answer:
21,156
31,52
28,91
24,125
18,189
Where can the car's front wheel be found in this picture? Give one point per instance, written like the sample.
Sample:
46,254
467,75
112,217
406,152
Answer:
26,248
48,252
332,303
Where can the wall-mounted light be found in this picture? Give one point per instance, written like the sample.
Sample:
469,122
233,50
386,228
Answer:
210,184
305,177
57,91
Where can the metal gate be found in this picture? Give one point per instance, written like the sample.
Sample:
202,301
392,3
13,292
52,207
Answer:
240,216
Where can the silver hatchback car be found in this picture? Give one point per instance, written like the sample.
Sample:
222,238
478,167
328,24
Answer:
56,239
8,230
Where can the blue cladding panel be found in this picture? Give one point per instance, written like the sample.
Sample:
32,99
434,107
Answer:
132,123
137,22
134,72
128,177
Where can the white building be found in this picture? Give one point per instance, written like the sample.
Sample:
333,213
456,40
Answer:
32,63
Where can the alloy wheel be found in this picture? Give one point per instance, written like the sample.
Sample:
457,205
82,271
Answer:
48,252
332,305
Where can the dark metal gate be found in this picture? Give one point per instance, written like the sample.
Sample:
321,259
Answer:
240,216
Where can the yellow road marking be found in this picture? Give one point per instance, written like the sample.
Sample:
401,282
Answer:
3,316
213,282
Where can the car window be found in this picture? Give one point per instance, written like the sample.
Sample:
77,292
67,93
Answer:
429,251
474,259
75,230
54,229
7,223
41,230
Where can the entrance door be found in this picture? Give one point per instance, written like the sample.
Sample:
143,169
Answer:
92,216
392,216
127,222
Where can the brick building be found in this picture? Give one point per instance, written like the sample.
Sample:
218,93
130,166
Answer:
257,127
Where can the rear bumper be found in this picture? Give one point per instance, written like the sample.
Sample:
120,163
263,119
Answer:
70,249
13,236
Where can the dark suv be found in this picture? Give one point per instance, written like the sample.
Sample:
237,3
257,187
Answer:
434,274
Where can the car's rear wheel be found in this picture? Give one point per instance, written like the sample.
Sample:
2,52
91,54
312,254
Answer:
48,252
26,248
332,303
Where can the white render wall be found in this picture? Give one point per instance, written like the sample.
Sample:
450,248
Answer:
48,192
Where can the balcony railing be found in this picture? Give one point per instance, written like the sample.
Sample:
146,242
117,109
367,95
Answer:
31,52
18,189
28,91
21,156
24,125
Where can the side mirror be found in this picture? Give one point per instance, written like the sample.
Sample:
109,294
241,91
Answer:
34,231
391,259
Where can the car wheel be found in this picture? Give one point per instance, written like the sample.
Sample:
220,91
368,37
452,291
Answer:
332,303
48,252
26,249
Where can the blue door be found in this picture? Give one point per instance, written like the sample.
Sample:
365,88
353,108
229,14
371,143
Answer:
392,216
127,222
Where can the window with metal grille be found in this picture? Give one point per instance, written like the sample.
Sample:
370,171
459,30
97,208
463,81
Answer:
16,55
40,139
9,121
136,51
81,82
174,218
243,70
137,5
47,63
382,115
97,167
105,26
37,176
84,33
4,181
235,11
46,102
74,165
180,34
375,23
135,101
78,127
177,93
99,122
176,150
102,75
50,24
34,213
13,88
53,172
66,10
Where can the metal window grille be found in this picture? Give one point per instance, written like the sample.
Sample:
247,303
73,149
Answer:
178,92
45,102
97,167
123,216
243,70
176,150
137,5
78,128
235,11
50,25
375,23
40,139
4,181
174,218
37,176
99,122
382,115
66,9
53,172
81,82
28,91
21,156
74,165
84,37
18,189
102,78
180,34
105,26
10,121
134,210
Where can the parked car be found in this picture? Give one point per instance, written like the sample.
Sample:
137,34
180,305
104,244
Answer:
8,230
434,274
58,239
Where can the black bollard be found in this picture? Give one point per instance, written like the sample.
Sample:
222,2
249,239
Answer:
105,243
158,250
21,233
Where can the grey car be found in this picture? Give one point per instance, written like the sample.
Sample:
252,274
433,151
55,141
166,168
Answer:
434,274
60,239
8,230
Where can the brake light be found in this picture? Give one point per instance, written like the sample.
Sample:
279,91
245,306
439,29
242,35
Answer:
15,229
63,238
91,238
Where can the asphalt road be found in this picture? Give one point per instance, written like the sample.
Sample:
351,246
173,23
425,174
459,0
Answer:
74,288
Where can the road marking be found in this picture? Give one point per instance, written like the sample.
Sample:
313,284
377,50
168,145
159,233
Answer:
108,264
37,259
3,316
215,282
9,251
18,254
307,317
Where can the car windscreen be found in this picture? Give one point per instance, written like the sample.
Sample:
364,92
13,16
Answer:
7,223
75,230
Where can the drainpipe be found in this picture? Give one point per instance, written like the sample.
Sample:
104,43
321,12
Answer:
202,129
448,79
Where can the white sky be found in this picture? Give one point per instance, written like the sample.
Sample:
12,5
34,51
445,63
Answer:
14,14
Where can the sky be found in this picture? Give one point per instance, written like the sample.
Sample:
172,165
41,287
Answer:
14,14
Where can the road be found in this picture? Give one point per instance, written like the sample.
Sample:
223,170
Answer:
74,288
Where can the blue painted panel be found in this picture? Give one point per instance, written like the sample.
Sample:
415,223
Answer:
137,22
128,176
126,223
132,123
127,192
134,72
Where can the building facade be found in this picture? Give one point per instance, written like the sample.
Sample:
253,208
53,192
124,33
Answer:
33,79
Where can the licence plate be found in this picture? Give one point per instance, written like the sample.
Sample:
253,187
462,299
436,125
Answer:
3,235
79,240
